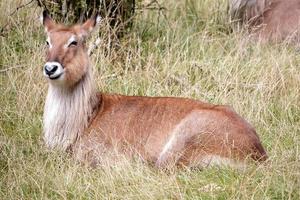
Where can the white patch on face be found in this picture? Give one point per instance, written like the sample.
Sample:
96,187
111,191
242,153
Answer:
49,42
71,39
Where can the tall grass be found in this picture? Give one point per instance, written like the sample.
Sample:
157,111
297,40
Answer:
188,50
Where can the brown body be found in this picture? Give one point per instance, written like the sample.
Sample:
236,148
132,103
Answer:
145,125
270,20
162,130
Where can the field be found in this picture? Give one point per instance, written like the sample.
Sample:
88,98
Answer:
189,49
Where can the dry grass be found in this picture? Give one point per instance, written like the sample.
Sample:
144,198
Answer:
192,52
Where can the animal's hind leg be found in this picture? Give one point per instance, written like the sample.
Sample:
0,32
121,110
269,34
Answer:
204,160
205,150
175,146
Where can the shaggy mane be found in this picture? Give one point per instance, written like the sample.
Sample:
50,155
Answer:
67,111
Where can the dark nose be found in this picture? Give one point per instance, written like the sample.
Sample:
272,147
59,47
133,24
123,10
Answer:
50,69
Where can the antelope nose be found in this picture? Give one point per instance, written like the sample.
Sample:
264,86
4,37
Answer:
50,69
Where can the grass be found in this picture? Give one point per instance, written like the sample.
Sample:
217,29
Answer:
189,50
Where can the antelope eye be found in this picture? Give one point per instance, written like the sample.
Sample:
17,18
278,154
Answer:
74,43
47,43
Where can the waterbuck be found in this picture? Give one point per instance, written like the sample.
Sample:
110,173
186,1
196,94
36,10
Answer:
269,20
161,130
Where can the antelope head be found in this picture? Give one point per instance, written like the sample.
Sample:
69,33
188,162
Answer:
67,59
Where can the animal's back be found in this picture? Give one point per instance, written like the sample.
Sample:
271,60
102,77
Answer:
166,129
270,20
281,20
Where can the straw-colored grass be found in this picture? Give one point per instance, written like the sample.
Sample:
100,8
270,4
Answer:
187,50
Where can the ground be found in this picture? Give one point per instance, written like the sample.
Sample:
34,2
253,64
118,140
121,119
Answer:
190,49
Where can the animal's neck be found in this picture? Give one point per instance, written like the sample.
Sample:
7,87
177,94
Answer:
67,112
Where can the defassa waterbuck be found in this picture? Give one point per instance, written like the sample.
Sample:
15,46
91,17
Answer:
161,130
269,20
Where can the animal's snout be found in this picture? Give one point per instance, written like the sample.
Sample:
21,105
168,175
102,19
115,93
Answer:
53,70
50,68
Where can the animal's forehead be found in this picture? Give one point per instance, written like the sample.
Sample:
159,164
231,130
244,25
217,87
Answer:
60,36
62,29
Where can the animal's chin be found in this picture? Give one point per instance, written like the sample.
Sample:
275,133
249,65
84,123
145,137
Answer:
55,77
57,80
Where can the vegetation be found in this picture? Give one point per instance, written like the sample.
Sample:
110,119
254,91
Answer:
189,50
118,13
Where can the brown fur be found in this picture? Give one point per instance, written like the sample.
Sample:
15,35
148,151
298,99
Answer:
270,20
161,130
145,124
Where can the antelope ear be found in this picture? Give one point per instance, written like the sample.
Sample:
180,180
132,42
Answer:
89,25
47,21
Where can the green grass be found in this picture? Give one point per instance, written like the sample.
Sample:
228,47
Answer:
190,51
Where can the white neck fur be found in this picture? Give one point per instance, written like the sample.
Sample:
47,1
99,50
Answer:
67,112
